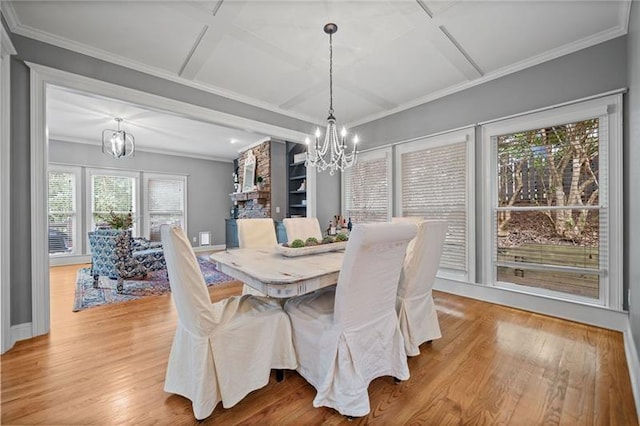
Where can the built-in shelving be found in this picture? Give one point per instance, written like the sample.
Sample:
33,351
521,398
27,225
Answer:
297,173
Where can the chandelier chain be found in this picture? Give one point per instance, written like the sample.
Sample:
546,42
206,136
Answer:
330,74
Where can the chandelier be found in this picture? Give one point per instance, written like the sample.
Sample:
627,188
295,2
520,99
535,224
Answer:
118,143
332,153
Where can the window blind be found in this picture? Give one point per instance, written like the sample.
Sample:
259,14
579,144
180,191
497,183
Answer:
165,204
367,188
434,185
62,212
112,193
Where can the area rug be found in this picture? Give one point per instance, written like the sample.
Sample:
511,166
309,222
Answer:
153,284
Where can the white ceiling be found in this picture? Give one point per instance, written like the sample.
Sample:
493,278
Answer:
81,117
388,55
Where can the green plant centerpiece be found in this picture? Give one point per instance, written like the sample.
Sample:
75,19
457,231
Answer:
296,243
342,237
117,220
311,241
328,240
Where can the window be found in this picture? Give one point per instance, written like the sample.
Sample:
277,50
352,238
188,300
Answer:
434,177
112,191
62,211
554,224
164,203
367,187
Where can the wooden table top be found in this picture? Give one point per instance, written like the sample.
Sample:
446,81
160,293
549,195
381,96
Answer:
279,276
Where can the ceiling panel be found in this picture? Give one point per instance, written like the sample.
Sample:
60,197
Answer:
245,69
387,54
149,33
499,34
424,71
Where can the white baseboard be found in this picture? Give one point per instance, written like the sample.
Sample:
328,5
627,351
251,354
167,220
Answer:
201,249
633,363
21,332
586,314
69,260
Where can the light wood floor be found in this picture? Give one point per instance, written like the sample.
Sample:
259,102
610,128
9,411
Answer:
494,365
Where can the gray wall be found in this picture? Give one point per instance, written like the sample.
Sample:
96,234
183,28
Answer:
587,72
328,197
55,57
632,174
209,183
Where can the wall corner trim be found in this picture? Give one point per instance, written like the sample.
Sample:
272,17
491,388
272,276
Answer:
633,363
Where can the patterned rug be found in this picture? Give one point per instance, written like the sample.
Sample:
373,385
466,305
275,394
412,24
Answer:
153,284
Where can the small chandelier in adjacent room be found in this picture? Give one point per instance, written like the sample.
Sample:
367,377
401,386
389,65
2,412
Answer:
118,143
332,154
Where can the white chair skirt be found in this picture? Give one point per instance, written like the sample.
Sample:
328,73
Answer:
341,363
418,321
261,336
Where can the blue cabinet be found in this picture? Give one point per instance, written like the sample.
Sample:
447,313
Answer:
231,233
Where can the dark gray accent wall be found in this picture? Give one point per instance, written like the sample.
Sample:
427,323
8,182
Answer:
632,174
209,183
278,180
20,208
590,71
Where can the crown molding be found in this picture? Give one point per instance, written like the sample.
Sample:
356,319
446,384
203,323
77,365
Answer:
62,42
18,28
493,75
9,13
111,90
72,139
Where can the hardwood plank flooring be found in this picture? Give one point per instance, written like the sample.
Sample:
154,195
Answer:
494,365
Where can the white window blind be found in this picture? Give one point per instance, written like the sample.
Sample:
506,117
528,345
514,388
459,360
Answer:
433,184
112,193
165,197
62,215
367,188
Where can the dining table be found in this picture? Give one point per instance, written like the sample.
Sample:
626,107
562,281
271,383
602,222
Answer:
275,275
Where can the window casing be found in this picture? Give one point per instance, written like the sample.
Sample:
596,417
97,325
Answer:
435,180
366,187
164,202
553,201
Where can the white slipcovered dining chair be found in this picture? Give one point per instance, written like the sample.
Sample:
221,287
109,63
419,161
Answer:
302,228
407,219
221,351
416,309
346,336
256,233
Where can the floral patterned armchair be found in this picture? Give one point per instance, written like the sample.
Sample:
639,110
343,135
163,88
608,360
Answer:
117,255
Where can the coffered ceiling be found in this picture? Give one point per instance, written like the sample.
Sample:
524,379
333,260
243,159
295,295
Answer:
388,55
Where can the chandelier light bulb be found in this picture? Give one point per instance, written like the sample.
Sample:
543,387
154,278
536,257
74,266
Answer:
318,132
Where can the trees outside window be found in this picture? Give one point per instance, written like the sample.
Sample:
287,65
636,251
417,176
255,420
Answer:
552,206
